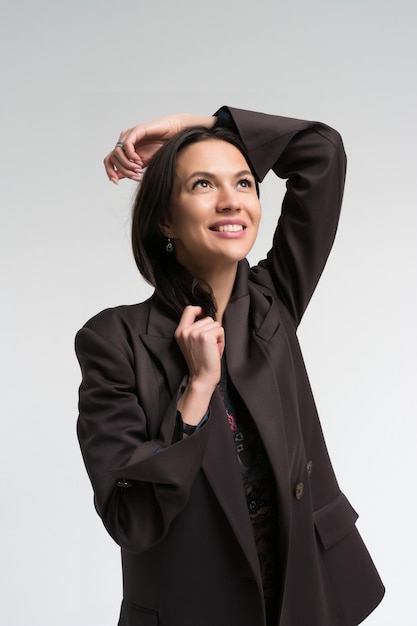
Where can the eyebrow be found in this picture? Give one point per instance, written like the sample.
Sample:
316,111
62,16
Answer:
213,175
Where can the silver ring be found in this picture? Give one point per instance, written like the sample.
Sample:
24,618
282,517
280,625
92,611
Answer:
120,144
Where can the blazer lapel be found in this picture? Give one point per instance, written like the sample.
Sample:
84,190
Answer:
160,342
222,470
250,321
160,385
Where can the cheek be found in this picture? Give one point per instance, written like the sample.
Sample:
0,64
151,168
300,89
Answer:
257,215
186,221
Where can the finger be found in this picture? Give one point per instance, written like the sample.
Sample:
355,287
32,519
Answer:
120,158
129,148
120,169
195,328
130,138
205,332
108,166
113,169
211,329
204,323
188,316
221,343
127,155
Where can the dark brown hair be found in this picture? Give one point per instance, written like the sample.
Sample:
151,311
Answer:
174,284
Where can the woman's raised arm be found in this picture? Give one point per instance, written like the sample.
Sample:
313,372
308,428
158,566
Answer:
136,146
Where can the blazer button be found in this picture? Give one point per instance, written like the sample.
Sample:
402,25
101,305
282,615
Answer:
299,490
309,467
123,483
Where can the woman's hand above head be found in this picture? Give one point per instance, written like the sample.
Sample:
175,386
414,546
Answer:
136,146
202,344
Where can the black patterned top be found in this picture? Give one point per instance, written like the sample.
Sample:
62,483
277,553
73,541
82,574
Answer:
259,488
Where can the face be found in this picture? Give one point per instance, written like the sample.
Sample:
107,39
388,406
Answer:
215,211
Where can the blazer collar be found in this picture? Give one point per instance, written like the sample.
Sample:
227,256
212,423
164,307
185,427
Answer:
162,321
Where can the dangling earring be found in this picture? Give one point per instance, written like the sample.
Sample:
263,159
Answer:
169,247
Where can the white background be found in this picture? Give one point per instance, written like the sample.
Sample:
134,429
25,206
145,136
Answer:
73,75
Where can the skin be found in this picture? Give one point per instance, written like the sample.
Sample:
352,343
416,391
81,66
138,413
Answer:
214,213
213,188
213,222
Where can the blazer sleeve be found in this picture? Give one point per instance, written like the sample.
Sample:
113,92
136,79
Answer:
310,155
140,485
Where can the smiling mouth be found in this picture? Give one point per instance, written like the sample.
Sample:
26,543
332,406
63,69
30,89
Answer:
228,228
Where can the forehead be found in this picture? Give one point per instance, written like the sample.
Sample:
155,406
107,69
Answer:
210,155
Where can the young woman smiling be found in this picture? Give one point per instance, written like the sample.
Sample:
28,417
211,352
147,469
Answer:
197,423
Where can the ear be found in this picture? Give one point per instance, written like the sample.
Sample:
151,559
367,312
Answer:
165,226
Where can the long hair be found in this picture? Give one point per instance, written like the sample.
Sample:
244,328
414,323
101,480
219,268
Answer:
174,284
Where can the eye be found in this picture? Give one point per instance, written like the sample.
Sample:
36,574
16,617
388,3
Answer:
201,183
246,183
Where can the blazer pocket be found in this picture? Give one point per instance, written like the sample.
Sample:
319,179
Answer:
134,615
335,520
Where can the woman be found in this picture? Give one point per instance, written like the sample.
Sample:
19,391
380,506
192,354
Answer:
197,424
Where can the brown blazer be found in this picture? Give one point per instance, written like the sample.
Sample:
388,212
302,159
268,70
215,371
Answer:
178,509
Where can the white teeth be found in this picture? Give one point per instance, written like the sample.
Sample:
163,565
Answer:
229,228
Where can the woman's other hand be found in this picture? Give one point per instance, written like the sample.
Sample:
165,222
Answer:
136,146
202,344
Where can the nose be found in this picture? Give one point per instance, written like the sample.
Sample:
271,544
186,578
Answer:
228,200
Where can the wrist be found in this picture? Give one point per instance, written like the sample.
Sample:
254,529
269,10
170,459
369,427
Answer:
207,121
194,401
203,386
